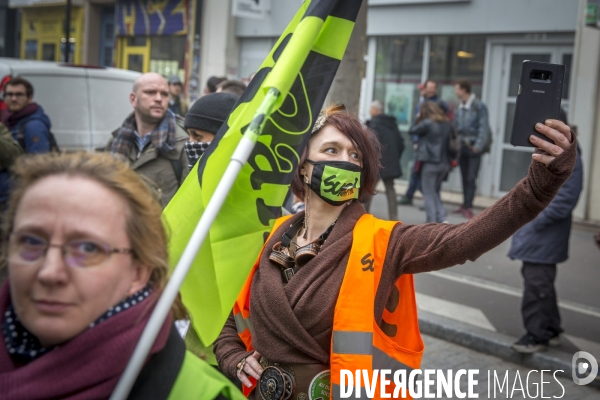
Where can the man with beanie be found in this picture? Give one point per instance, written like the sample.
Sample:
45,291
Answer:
204,119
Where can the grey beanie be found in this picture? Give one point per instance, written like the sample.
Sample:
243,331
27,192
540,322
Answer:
209,112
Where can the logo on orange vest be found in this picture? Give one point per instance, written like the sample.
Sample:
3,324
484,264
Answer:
368,262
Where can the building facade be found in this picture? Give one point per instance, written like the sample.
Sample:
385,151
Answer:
485,41
139,35
409,41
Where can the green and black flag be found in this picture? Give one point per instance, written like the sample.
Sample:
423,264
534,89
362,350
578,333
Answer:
301,67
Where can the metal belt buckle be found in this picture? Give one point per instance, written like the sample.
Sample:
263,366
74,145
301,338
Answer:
275,384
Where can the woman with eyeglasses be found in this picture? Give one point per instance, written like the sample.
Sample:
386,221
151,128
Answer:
332,289
86,254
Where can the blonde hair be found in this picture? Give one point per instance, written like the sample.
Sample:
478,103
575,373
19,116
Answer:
144,226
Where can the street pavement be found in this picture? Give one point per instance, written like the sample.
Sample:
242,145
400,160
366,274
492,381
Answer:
487,293
443,355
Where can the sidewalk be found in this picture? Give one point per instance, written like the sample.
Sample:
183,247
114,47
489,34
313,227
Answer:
444,355
480,202
477,304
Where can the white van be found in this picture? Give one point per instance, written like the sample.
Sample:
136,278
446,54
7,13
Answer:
84,103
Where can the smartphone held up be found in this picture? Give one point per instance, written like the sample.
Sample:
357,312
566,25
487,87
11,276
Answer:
538,99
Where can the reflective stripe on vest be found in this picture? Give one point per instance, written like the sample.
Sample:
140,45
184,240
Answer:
242,323
357,341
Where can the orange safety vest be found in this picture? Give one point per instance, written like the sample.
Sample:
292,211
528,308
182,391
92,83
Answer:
357,341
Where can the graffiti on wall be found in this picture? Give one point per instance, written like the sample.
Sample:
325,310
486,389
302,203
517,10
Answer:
152,17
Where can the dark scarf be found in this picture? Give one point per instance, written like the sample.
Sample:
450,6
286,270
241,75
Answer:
86,367
14,118
24,347
194,150
162,137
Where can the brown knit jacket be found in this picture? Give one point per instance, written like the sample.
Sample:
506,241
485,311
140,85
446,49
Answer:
293,323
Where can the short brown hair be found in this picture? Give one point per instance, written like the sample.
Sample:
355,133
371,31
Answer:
234,87
365,142
21,81
144,226
213,82
464,84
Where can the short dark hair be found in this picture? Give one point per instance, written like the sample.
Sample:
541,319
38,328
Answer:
213,82
365,142
464,84
234,87
432,81
21,81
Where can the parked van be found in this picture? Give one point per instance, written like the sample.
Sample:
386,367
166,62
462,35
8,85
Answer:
84,103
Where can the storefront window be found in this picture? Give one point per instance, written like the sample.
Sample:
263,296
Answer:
397,74
136,41
31,47
48,52
136,62
455,57
167,55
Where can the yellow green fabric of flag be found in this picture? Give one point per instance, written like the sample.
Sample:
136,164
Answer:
301,67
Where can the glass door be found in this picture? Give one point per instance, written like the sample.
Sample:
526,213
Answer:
136,53
514,161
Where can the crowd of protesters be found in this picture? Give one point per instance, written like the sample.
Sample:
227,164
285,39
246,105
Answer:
65,215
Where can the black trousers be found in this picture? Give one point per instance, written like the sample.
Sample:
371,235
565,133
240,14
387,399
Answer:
469,163
390,194
539,308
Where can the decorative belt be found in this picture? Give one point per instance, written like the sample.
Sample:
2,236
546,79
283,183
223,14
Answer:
295,382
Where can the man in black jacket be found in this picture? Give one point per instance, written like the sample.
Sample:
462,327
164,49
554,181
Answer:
541,244
392,146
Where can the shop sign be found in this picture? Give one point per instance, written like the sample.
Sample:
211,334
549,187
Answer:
256,9
152,17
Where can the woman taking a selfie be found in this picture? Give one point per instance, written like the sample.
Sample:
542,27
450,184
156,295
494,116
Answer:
332,288
86,255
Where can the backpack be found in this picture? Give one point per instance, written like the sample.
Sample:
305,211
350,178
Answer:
490,140
21,139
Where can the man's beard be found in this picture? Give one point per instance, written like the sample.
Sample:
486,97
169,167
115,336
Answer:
150,119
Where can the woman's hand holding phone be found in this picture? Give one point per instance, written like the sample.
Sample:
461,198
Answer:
558,132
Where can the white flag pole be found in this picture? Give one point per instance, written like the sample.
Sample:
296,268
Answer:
163,306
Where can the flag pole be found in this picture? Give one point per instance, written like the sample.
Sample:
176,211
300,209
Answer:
163,306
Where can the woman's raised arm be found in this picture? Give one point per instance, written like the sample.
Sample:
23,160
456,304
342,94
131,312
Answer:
429,247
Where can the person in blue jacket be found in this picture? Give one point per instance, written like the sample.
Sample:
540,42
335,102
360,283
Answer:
541,244
28,123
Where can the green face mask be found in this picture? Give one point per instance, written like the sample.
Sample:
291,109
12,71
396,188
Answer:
336,182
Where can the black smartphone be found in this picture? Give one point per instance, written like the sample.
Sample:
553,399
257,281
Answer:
538,99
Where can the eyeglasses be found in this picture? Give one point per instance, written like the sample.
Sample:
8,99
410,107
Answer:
14,94
26,248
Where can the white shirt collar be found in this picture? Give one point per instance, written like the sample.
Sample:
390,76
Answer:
469,102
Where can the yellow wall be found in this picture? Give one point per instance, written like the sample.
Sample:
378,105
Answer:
45,25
